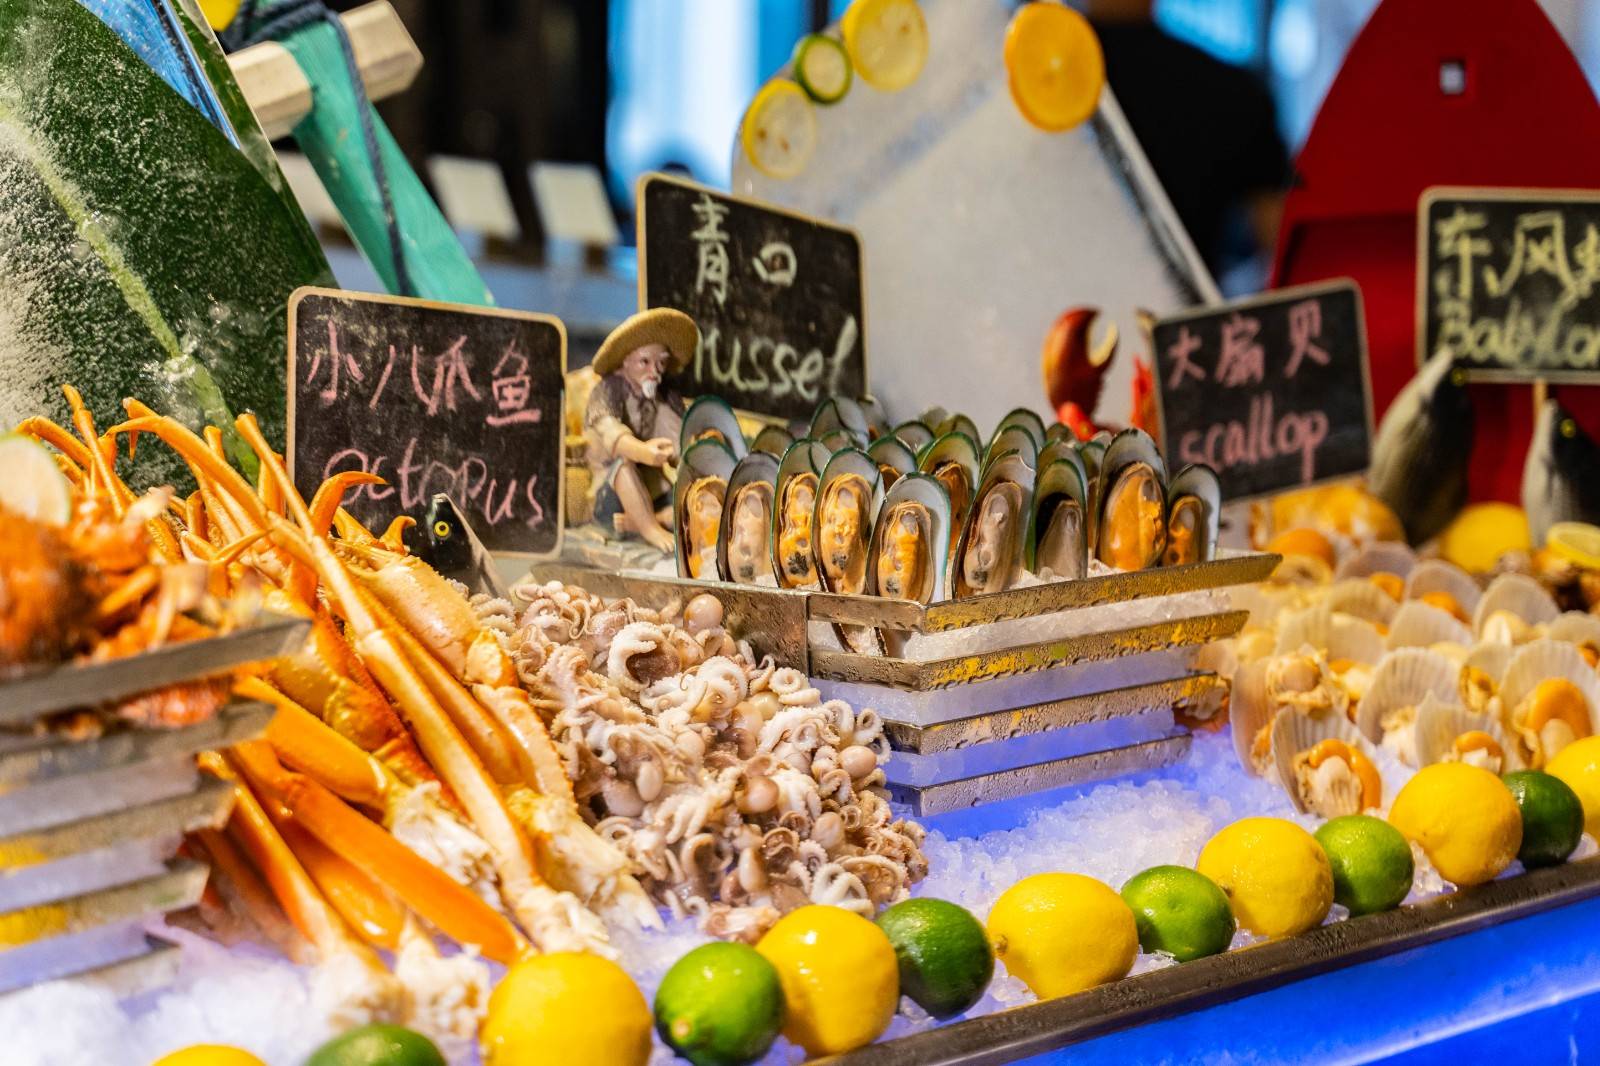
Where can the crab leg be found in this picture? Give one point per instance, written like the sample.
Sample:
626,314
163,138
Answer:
362,901
305,743
245,895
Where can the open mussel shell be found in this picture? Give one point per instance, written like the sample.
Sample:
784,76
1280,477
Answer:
894,459
910,541
877,418
1448,732
915,434
1052,450
1387,713
992,549
697,499
1324,790
794,508
1194,516
839,413
1131,529
952,460
1058,542
956,423
1009,439
710,418
774,440
1027,418
744,543
1093,454
848,494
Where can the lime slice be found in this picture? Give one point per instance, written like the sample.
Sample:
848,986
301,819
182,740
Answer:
33,486
822,67
887,41
1054,65
1577,542
780,130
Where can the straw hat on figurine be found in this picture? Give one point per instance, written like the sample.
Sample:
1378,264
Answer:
672,329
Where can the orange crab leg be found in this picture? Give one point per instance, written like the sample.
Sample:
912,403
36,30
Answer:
425,888
47,432
245,894
330,497
302,741
394,537
361,899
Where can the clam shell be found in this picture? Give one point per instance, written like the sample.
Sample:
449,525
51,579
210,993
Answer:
1296,733
1359,597
1576,627
1436,575
1379,557
1540,660
1440,722
1248,710
1341,636
1402,679
1518,594
1419,625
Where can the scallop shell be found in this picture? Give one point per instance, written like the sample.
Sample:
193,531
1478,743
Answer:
1539,660
1436,575
1264,603
1440,722
1491,658
1576,627
1341,637
1419,625
1402,679
1379,557
1518,594
1359,597
1248,711
1491,661
1293,734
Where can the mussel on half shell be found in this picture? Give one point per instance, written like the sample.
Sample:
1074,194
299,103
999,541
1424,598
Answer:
796,567
842,525
749,532
1060,551
1132,531
1194,504
992,547
702,514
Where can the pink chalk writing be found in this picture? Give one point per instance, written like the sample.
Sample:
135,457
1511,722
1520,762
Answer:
1305,326
1182,366
470,482
1261,438
513,388
337,361
1242,361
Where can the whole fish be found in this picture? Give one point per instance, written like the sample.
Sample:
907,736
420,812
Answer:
1561,479
1424,444
450,546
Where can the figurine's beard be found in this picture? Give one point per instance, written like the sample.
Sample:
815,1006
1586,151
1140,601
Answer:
647,388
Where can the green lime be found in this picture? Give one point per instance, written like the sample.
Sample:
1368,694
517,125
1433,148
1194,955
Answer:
1552,817
822,67
377,1045
1179,912
720,1005
1372,864
945,958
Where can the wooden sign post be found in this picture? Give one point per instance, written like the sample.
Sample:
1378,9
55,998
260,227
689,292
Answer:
777,296
1507,281
433,398
1272,391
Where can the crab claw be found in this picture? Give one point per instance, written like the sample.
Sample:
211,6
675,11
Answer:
1073,373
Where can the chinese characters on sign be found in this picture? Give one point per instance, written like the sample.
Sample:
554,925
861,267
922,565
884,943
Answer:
777,296
1507,281
432,398
1271,392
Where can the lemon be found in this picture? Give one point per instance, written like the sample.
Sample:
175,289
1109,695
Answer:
1482,533
1371,860
219,13
779,132
1179,912
209,1055
1054,64
1465,819
1578,764
566,1007
1063,933
1276,876
1552,817
1576,542
841,981
887,41
33,486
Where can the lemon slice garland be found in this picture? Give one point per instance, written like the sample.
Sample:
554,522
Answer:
887,41
780,130
1054,66
822,67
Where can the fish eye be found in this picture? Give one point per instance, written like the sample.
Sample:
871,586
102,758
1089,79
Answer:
1569,428
441,528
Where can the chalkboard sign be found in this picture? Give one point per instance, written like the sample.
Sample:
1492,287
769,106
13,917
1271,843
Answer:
431,397
777,296
1509,281
1271,391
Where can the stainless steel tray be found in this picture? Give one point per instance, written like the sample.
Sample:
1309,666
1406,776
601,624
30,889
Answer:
39,691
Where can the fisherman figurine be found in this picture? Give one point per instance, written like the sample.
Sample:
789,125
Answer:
632,422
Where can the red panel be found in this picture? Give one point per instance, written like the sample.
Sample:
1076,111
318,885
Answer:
1386,132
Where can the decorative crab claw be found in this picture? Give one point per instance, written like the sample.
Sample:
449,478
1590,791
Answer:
1073,371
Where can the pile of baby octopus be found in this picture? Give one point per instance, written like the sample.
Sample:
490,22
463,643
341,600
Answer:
737,791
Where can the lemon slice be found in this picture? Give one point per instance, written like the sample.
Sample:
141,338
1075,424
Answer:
780,129
887,41
1054,65
1577,542
33,486
822,67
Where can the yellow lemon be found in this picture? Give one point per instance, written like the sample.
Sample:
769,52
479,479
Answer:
779,131
1276,876
887,41
1063,933
566,1007
1482,533
1465,819
1054,66
1577,542
841,980
1578,766
220,13
209,1055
